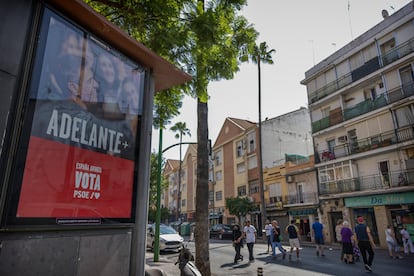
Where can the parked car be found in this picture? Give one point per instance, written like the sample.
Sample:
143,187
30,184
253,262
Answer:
170,240
221,231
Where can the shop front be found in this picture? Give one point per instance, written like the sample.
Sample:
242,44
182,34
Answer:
381,210
303,218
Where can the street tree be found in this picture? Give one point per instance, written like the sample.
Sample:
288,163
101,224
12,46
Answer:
182,130
260,54
239,206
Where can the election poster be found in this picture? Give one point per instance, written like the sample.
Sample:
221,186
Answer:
86,103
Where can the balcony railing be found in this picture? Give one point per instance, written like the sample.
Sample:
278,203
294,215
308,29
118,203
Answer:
362,71
277,203
369,183
302,199
384,139
399,52
396,94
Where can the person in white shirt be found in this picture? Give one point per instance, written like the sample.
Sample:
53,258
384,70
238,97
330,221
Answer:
393,248
249,233
407,242
268,231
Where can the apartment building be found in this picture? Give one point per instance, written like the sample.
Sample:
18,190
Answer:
169,197
361,102
234,169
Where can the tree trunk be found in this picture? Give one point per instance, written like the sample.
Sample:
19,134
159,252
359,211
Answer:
201,230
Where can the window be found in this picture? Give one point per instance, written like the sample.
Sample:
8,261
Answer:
240,148
325,112
211,197
183,202
219,195
218,158
252,162
300,189
241,167
251,138
241,191
219,176
339,171
275,192
253,187
331,145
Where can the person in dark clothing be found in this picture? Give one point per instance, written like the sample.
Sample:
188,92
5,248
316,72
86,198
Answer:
293,230
237,242
365,242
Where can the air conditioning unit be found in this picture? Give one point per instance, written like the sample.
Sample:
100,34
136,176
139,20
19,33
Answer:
251,199
289,178
342,139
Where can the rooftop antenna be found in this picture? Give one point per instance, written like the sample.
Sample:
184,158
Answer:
349,19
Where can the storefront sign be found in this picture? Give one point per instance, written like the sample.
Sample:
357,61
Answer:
384,199
301,212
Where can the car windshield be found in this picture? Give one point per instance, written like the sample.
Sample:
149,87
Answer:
167,230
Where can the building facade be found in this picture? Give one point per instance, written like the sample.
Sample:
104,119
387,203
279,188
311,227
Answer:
361,102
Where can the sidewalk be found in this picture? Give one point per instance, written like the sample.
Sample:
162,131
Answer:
163,267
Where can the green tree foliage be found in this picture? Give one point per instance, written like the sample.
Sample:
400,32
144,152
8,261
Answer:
239,207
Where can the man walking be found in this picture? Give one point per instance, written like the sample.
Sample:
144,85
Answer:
268,230
317,231
292,230
249,233
365,242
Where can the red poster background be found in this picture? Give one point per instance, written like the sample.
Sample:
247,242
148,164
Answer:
49,183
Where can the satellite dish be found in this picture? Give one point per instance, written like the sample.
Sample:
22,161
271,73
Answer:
384,14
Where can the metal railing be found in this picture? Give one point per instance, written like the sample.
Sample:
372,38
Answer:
380,140
364,70
369,183
391,96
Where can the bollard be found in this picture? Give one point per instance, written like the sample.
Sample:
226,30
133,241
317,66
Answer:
260,271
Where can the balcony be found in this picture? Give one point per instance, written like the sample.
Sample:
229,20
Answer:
368,183
391,96
362,71
399,52
304,198
365,107
381,140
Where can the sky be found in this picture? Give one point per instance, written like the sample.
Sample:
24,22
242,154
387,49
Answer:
302,33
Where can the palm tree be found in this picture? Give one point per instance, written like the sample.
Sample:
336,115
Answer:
182,130
261,54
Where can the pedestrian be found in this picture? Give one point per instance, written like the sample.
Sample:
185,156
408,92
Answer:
338,228
249,233
237,243
293,231
407,242
317,231
268,230
276,242
393,248
347,247
365,243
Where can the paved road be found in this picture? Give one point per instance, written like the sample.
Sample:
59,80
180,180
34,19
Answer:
222,253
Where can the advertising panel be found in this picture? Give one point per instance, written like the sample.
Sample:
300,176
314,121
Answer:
84,107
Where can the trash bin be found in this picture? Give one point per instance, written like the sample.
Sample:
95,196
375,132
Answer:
185,229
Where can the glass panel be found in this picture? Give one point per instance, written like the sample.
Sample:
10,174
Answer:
84,105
